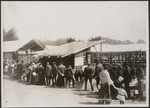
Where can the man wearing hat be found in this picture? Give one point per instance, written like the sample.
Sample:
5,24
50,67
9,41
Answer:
88,71
127,77
98,69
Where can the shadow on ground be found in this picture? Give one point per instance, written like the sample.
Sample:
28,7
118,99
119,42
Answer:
88,96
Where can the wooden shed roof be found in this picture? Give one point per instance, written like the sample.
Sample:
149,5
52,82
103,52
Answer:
107,48
69,48
12,46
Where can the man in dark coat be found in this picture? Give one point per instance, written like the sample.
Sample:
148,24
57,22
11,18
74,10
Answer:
61,76
119,74
55,72
97,72
49,74
40,73
127,77
140,76
78,75
69,75
88,72
112,74
21,69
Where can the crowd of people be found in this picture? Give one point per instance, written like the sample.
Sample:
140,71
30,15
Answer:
35,73
121,82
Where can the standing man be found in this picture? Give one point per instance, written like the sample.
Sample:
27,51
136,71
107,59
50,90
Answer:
13,69
21,69
119,76
140,76
10,70
127,77
105,82
88,71
61,76
97,72
31,70
69,75
49,74
41,79
55,72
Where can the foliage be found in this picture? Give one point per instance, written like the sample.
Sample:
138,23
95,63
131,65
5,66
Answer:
139,41
71,39
57,42
10,35
110,41
107,40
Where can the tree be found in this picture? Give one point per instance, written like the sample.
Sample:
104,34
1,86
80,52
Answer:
70,40
95,38
139,41
10,35
4,32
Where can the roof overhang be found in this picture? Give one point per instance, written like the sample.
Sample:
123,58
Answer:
68,49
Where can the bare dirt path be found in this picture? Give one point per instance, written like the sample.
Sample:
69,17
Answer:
16,94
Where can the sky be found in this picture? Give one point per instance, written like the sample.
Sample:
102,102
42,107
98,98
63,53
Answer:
52,20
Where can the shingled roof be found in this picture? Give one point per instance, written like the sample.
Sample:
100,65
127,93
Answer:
69,48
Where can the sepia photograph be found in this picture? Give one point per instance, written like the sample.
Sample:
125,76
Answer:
74,54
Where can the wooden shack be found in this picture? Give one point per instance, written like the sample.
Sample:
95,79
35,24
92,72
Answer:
76,54
20,50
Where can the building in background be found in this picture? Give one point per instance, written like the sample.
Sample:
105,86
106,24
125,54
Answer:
76,54
20,50
79,54
133,54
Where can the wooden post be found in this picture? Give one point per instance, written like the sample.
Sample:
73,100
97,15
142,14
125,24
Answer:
102,58
115,58
109,58
127,57
96,52
134,60
92,58
141,58
101,51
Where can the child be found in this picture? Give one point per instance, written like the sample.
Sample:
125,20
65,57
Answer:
133,87
121,94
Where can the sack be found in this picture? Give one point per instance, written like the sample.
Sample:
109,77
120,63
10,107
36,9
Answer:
34,73
136,92
133,82
120,78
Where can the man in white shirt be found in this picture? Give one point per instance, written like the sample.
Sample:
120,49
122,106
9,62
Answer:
105,82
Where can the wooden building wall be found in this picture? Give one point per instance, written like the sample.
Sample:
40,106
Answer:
135,58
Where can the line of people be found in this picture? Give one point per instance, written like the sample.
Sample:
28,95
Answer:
112,82
35,73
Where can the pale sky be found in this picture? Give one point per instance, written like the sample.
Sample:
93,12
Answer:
51,20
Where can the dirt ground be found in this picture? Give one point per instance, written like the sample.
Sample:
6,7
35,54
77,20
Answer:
17,94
